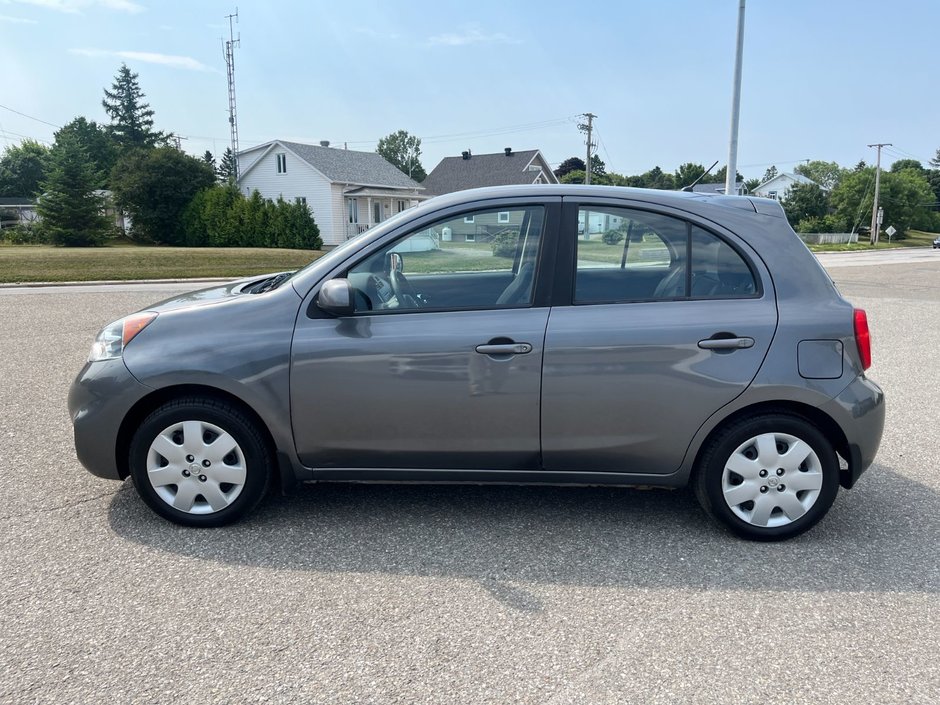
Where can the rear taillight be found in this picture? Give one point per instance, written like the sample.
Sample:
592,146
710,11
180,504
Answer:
863,338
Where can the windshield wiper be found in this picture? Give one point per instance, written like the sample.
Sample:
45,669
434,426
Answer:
270,284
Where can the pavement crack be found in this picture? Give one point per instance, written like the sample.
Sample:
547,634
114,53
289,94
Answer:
57,508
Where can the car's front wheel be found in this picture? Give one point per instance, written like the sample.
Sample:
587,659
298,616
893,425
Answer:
200,462
768,478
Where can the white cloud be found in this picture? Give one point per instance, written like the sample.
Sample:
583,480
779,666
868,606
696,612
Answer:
76,6
16,20
471,35
177,62
375,34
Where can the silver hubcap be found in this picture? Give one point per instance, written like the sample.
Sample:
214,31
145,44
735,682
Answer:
196,467
772,479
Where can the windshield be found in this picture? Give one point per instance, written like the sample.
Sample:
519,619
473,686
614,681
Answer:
338,253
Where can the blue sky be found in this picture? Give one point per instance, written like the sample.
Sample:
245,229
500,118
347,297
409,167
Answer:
821,79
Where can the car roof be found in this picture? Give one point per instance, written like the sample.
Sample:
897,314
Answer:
678,199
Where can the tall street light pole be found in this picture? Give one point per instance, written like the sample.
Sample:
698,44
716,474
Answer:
731,178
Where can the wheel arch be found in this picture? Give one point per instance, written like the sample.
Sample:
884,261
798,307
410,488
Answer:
158,397
825,423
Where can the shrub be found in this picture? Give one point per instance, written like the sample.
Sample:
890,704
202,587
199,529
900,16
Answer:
220,216
505,243
25,235
613,237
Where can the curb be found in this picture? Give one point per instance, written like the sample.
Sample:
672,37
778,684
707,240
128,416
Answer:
107,282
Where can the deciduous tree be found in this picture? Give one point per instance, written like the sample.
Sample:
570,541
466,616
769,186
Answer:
805,201
404,151
23,168
826,174
154,187
569,165
905,197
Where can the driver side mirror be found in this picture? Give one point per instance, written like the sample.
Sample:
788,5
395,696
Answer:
337,297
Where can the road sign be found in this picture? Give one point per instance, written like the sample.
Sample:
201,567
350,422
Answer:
881,215
891,231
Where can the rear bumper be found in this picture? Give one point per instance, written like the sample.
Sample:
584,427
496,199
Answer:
860,412
99,399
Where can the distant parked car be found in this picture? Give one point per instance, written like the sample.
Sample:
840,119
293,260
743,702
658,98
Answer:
936,243
706,345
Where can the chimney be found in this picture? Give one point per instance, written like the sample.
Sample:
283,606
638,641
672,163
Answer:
324,143
466,154
508,151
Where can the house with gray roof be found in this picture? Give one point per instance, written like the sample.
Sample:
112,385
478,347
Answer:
477,170
346,191
778,188
740,188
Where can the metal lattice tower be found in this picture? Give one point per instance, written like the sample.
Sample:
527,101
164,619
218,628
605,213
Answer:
230,66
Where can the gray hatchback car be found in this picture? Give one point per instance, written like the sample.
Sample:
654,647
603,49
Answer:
537,334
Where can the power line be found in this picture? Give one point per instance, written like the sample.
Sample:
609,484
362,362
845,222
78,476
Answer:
44,122
600,139
6,132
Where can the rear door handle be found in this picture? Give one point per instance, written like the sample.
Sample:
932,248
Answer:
504,349
726,343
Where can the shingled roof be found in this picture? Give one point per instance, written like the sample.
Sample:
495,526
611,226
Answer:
458,174
349,167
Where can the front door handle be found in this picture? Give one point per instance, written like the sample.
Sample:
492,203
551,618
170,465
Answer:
726,343
504,349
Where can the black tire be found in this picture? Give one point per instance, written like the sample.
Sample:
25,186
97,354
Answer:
252,457
710,478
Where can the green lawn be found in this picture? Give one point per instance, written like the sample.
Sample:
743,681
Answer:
39,263
914,238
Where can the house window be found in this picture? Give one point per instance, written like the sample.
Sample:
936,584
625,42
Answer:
401,206
468,219
353,210
772,194
469,237
502,217
302,200
281,163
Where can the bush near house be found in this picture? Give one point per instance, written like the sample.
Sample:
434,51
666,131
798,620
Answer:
505,243
221,216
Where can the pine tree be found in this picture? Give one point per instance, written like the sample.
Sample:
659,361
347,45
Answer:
131,118
71,212
209,159
226,170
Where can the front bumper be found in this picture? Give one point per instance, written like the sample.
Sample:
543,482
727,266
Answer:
860,412
99,400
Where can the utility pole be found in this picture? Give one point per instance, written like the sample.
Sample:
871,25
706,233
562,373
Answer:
731,178
874,208
588,128
230,66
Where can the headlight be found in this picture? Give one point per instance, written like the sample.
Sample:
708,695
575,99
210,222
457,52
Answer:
110,342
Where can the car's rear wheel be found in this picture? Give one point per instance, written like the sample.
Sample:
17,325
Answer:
768,478
200,462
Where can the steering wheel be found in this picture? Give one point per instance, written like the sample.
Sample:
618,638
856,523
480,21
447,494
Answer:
404,291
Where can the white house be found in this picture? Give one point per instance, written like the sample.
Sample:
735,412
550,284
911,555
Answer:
778,188
347,192
17,211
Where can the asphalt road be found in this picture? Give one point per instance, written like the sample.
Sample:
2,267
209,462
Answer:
391,594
